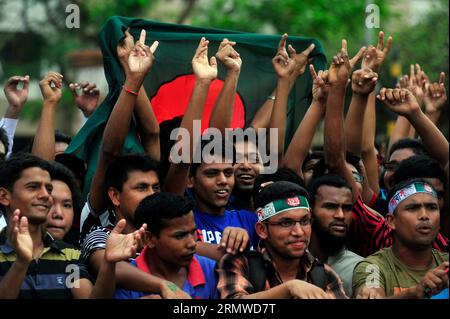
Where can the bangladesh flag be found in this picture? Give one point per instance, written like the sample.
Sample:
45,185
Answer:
171,80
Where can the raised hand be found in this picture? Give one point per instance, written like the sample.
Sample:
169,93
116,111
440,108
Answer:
204,69
228,55
301,60
283,64
123,50
141,56
121,247
374,56
16,97
435,95
86,96
400,101
50,87
364,81
20,239
433,282
320,86
340,68
414,84
234,239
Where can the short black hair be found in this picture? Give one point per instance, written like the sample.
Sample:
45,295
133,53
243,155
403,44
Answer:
61,137
418,166
333,180
117,172
59,172
415,145
75,164
227,148
156,208
4,140
354,160
279,190
405,183
281,174
165,130
312,156
11,169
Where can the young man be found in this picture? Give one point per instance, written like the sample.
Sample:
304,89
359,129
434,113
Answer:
66,205
28,252
282,267
411,268
331,201
170,250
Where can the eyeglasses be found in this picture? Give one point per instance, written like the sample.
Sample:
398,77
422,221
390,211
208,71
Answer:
391,166
290,223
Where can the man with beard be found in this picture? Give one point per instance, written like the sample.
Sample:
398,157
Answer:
282,267
331,201
411,268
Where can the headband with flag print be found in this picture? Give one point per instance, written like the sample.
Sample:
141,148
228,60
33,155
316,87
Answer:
282,205
404,193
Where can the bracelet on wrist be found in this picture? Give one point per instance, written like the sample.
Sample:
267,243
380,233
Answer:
271,97
130,91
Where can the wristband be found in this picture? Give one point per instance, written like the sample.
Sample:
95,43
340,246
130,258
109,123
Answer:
271,97
130,91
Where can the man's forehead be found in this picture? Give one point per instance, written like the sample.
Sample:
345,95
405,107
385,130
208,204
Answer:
216,166
329,191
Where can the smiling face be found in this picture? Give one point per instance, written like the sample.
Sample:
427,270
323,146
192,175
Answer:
416,221
60,217
212,185
248,166
176,243
287,242
31,193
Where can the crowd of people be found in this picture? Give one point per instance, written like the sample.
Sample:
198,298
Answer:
344,220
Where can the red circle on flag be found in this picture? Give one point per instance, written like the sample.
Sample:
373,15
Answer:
172,99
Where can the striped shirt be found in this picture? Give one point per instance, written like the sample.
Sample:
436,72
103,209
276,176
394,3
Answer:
234,275
51,275
370,232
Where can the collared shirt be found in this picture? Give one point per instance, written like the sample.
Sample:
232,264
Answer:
370,232
200,282
234,275
51,275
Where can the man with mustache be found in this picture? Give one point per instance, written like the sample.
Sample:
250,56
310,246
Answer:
331,202
282,267
411,268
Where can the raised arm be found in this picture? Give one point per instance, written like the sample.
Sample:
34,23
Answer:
16,93
301,142
147,124
334,138
205,72
284,66
403,102
44,141
373,59
140,62
119,247
222,112
434,98
86,96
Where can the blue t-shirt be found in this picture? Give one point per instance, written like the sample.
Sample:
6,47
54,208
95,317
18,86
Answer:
201,282
212,226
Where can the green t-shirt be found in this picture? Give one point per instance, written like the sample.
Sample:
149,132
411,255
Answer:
384,270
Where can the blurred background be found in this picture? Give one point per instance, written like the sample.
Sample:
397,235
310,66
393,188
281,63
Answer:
34,39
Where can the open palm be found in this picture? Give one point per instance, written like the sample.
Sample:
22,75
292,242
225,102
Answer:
204,69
